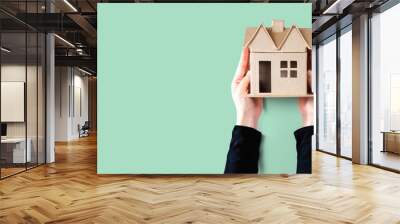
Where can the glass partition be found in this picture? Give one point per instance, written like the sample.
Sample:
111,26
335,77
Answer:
31,99
14,153
41,91
22,101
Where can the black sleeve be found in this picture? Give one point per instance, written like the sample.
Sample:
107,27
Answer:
303,147
244,150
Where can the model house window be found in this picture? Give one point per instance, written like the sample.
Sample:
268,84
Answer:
265,76
293,69
288,69
293,64
284,73
293,73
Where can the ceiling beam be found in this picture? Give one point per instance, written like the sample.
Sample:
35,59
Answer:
338,6
84,24
83,61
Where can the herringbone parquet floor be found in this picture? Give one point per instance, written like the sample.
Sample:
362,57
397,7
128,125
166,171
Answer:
69,191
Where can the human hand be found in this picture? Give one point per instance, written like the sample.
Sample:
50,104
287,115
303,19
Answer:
248,109
306,104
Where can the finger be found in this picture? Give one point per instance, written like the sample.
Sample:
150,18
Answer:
244,84
242,66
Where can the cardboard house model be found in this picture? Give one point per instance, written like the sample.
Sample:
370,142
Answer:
278,60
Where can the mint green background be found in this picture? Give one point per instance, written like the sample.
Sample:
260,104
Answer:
164,101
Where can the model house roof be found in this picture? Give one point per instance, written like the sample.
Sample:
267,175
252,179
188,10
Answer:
279,35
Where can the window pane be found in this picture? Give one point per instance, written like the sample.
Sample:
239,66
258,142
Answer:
327,96
293,64
293,73
346,94
385,89
284,73
283,64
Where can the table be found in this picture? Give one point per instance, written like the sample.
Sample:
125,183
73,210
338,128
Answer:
391,141
15,148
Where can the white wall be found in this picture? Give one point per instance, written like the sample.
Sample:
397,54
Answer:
62,82
80,110
71,102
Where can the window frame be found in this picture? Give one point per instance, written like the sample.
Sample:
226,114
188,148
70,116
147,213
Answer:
288,69
333,37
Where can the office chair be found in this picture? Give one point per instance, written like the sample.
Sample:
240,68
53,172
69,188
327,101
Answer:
84,130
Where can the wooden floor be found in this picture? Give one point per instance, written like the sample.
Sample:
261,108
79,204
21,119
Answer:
387,159
5,172
69,191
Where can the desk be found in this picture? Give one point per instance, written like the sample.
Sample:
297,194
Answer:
15,148
391,141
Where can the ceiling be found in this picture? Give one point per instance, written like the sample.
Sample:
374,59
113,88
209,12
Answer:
332,15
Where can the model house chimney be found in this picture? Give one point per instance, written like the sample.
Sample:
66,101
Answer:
278,25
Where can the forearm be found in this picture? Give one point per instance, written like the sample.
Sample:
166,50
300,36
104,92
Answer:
244,150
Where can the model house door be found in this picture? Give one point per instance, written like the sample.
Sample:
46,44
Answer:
265,76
